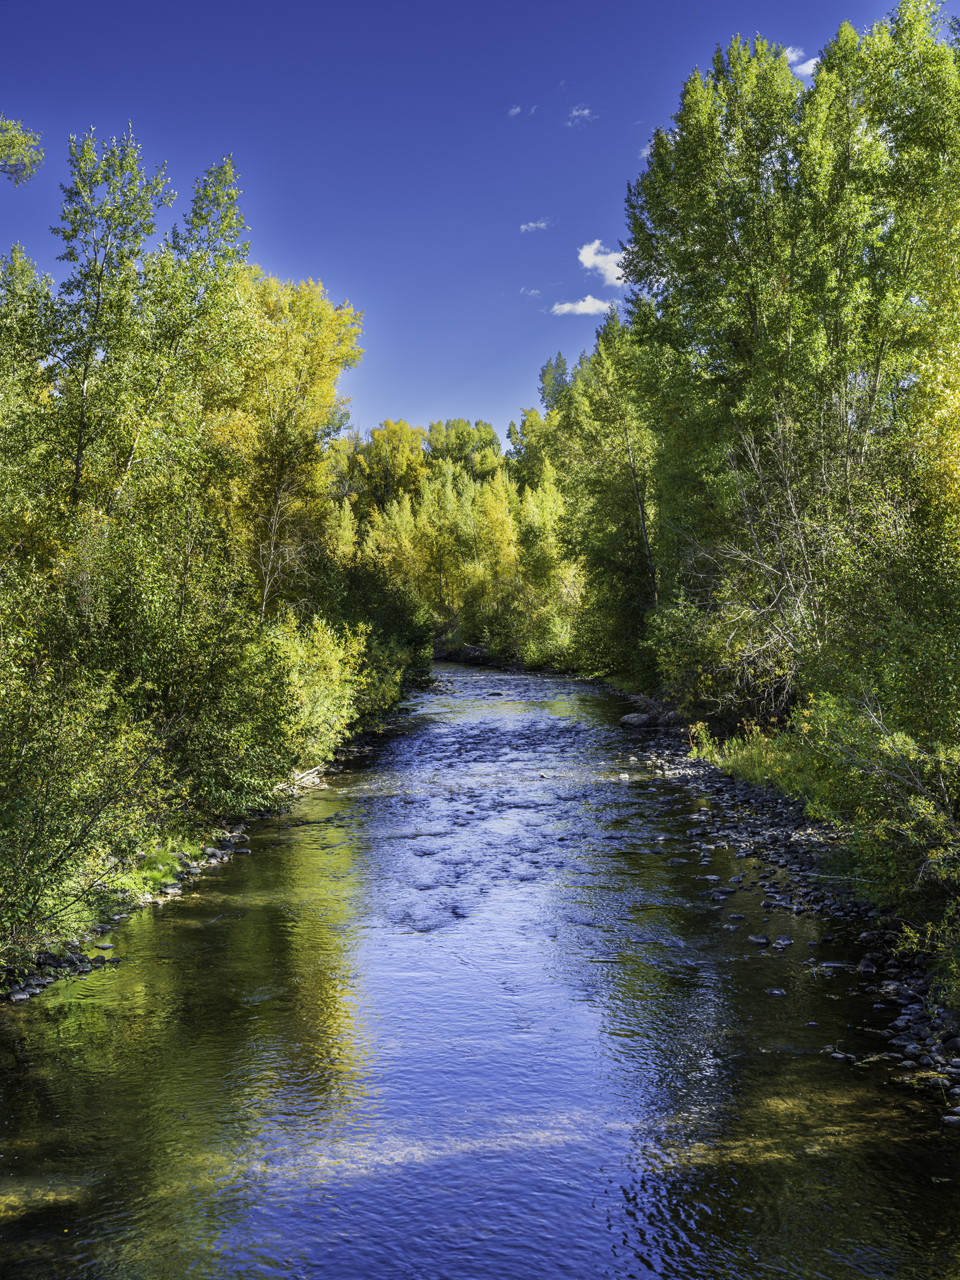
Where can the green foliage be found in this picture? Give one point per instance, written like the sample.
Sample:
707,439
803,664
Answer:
20,152
176,633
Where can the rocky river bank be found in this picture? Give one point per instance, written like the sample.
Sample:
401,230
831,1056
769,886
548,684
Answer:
792,871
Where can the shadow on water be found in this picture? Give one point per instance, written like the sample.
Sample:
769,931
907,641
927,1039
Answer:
466,1014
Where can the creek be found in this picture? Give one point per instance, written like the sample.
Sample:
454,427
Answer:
468,1014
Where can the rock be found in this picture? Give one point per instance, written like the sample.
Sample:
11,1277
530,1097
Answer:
952,1046
839,1057
950,1120
104,946
760,939
19,997
783,941
732,928
775,991
676,862
736,915
636,720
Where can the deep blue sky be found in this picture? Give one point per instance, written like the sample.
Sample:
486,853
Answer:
380,151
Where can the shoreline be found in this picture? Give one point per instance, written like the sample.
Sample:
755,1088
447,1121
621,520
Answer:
757,825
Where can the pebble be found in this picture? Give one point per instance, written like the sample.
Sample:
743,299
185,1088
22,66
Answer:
760,939
775,991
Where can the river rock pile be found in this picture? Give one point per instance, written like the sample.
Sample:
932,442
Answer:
923,1040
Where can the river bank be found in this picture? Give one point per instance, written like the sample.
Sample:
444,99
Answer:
790,862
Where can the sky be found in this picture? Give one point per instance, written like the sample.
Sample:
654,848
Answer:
456,171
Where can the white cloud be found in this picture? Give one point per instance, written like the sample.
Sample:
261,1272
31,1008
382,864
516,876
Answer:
581,115
533,109
794,54
540,225
588,306
595,257
646,151
514,111
531,293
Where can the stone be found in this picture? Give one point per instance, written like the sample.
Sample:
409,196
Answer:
732,928
19,997
783,941
760,939
636,720
775,991
104,946
950,1120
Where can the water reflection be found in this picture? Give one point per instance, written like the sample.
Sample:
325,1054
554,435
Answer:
464,1015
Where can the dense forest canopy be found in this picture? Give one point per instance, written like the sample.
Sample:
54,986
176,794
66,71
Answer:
743,500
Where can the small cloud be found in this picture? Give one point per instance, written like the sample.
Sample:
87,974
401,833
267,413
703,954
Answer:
595,257
533,109
531,293
514,111
588,306
540,225
581,115
794,54
646,151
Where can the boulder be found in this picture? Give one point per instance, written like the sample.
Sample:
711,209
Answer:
636,720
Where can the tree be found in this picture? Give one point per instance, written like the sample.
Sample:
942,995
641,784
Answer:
20,152
554,380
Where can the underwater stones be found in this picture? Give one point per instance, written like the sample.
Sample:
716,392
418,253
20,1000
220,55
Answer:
760,939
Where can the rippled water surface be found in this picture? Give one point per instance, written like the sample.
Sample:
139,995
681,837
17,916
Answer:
460,1016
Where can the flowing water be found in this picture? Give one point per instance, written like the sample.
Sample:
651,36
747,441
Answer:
465,1015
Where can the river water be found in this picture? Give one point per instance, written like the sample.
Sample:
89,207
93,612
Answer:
465,1016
